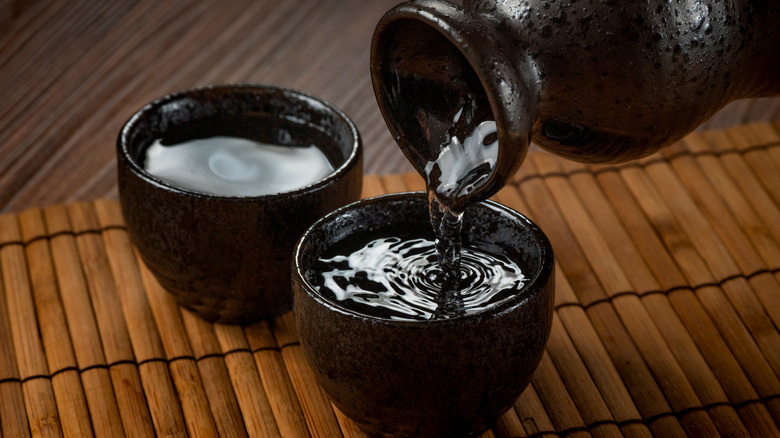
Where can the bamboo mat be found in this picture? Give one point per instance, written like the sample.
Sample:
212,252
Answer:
666,322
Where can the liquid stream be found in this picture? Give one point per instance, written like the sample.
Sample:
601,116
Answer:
419,279
461,166
400,279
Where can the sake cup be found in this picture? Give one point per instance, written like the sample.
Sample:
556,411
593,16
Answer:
432,378
227,258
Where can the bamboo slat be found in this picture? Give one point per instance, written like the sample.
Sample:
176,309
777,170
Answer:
666,315
320,416
674,331
667,353
633,370
211,363
68,390
393,184
576,373
13,415
281,394
31,362
82,325
687,306
247,384
755,145
633,314
137,412
509,425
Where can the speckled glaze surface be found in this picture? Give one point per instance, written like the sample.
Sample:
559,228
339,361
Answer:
228,258
425,378
594,81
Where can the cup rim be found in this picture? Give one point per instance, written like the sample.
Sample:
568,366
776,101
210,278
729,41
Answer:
350,161
533,286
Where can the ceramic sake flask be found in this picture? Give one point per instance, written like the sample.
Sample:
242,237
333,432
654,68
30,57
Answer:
593,81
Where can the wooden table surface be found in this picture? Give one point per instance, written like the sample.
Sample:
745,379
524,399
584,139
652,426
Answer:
73,71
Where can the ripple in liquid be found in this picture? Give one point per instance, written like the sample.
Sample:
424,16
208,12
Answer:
400,279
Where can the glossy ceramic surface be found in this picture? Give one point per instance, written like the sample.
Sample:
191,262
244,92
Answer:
228,258
442,378
589,80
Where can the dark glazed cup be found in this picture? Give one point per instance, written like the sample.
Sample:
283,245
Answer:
425,378
227,258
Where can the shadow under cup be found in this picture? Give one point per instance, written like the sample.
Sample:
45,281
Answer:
451,377
227,258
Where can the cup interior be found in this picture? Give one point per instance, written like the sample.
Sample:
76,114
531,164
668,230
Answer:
488,225
261,113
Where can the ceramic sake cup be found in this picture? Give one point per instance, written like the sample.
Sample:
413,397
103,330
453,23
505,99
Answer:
227,258
440,378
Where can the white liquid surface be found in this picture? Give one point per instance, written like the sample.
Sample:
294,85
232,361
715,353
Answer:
232,166
464,165
401,280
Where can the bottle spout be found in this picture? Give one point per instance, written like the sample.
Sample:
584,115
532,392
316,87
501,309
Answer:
439,73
